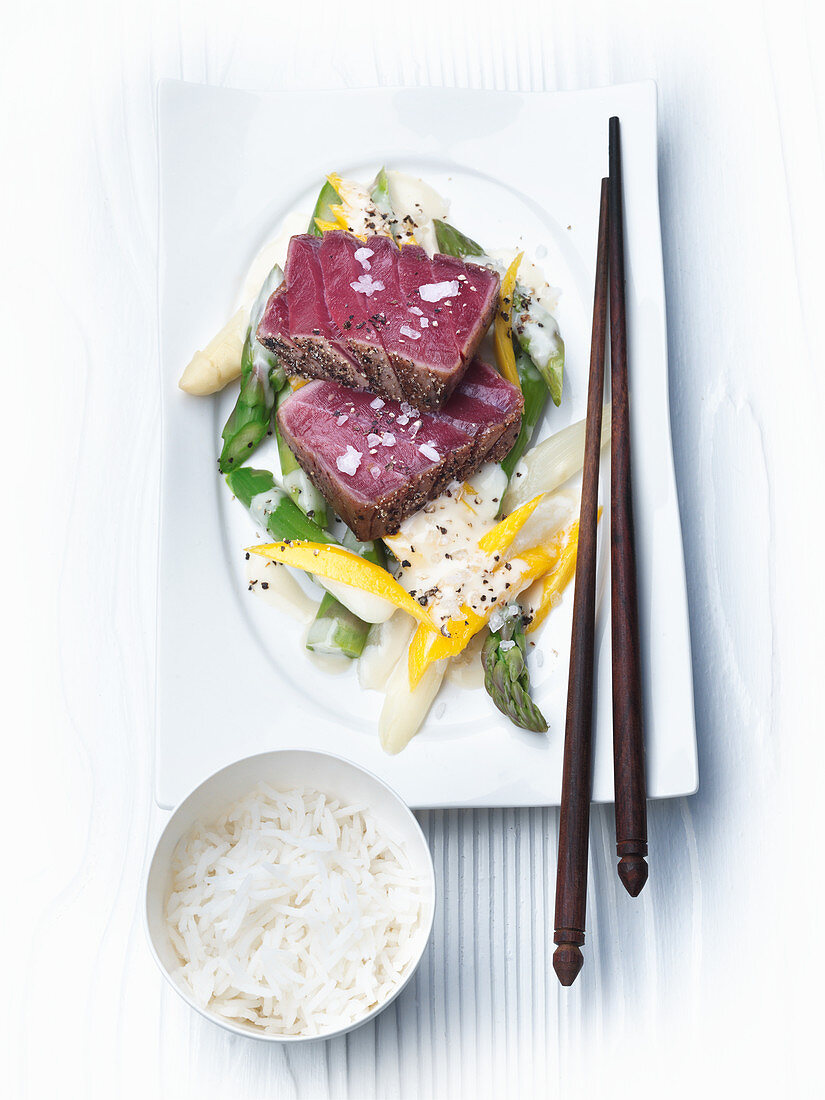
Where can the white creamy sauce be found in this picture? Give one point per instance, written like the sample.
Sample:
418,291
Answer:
438,549
530,275
415,200
273,252
295,484
362,216
276,586
544,337
465,670
261,506
330,663
386,645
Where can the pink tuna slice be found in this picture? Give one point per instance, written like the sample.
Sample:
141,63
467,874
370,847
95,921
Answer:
354,313
274,325
480,404
437,346
310,325
397,480
351,310
423,357
478,290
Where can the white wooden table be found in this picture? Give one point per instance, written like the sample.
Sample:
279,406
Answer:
705,983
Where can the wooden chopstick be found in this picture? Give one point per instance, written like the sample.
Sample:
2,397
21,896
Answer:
628,734
574,821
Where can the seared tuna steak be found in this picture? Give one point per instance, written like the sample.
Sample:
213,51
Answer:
378,461
372,316
300,328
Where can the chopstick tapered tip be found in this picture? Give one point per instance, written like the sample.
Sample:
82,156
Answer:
633,873
567,962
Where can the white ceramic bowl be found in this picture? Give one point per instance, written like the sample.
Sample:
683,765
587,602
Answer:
284,769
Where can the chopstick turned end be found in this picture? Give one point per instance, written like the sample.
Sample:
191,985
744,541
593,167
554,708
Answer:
567,962
633,872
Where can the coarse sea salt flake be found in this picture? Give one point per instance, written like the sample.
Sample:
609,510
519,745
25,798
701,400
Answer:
365,284
405,330
377,403
362,255
423,322
349,462
342,419
434,292
373,440
429,451
387,439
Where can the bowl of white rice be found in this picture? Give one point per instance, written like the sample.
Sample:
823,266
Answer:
290,896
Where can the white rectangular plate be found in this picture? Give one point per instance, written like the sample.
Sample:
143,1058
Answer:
233,676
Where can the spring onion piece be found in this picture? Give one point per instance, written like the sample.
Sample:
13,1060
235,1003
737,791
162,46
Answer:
503,333
262,377
506,676
550,463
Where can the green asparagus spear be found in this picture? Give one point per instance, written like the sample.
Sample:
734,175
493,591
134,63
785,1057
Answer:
535,398
336,630
275,509
262,376
537,333
327,198
296,482
506,677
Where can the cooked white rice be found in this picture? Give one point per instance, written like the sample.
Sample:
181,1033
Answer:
293,912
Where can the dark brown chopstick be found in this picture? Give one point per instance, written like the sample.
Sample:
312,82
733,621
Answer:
574,821
628,734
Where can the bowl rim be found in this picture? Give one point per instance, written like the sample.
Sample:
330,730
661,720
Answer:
247,1031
